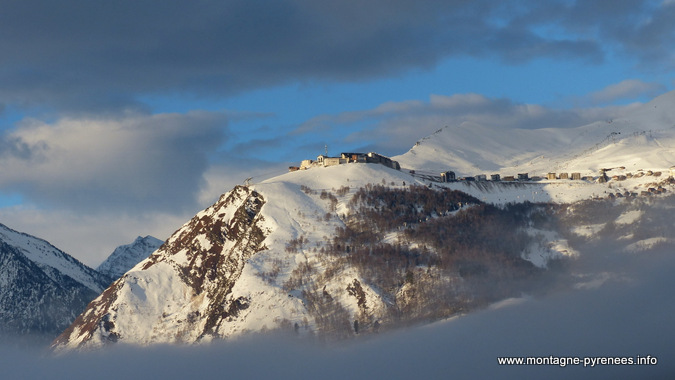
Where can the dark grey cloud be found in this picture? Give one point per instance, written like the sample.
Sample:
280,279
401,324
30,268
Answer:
638,30
75,54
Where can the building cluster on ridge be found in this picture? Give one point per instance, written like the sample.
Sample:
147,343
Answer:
346,158
449,176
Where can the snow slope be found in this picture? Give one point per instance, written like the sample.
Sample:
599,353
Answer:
643,140
46,255
214,276
225,272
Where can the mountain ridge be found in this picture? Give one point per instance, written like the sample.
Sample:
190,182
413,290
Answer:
471,148
184,272
45,254
127,256
42,289
253,261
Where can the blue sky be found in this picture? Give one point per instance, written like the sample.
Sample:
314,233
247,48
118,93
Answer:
125,118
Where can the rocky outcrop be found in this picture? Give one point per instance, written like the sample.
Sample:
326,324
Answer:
182,292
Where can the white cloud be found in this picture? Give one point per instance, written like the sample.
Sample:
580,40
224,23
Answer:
128,162
629,89
91,184
90,238
458,101
219,179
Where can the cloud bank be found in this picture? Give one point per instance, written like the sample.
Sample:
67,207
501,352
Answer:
118,164
76,55
627,89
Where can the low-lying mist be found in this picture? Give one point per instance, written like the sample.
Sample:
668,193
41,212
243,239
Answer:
623,312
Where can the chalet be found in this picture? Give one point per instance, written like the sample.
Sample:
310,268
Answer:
448,176
380,159
523,177
355,157
293,168
495,177
564,176
481,177
551,176
330,161
508,178
576,176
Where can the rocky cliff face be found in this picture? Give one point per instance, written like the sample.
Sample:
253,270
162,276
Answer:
182,292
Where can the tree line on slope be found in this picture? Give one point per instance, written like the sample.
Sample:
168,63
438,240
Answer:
430,254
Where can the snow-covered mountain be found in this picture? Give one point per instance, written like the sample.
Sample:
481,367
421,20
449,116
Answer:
645,139
182,291
356,247
265,257
42,289
127,256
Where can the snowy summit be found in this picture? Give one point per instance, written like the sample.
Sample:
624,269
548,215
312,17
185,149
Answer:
126,256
